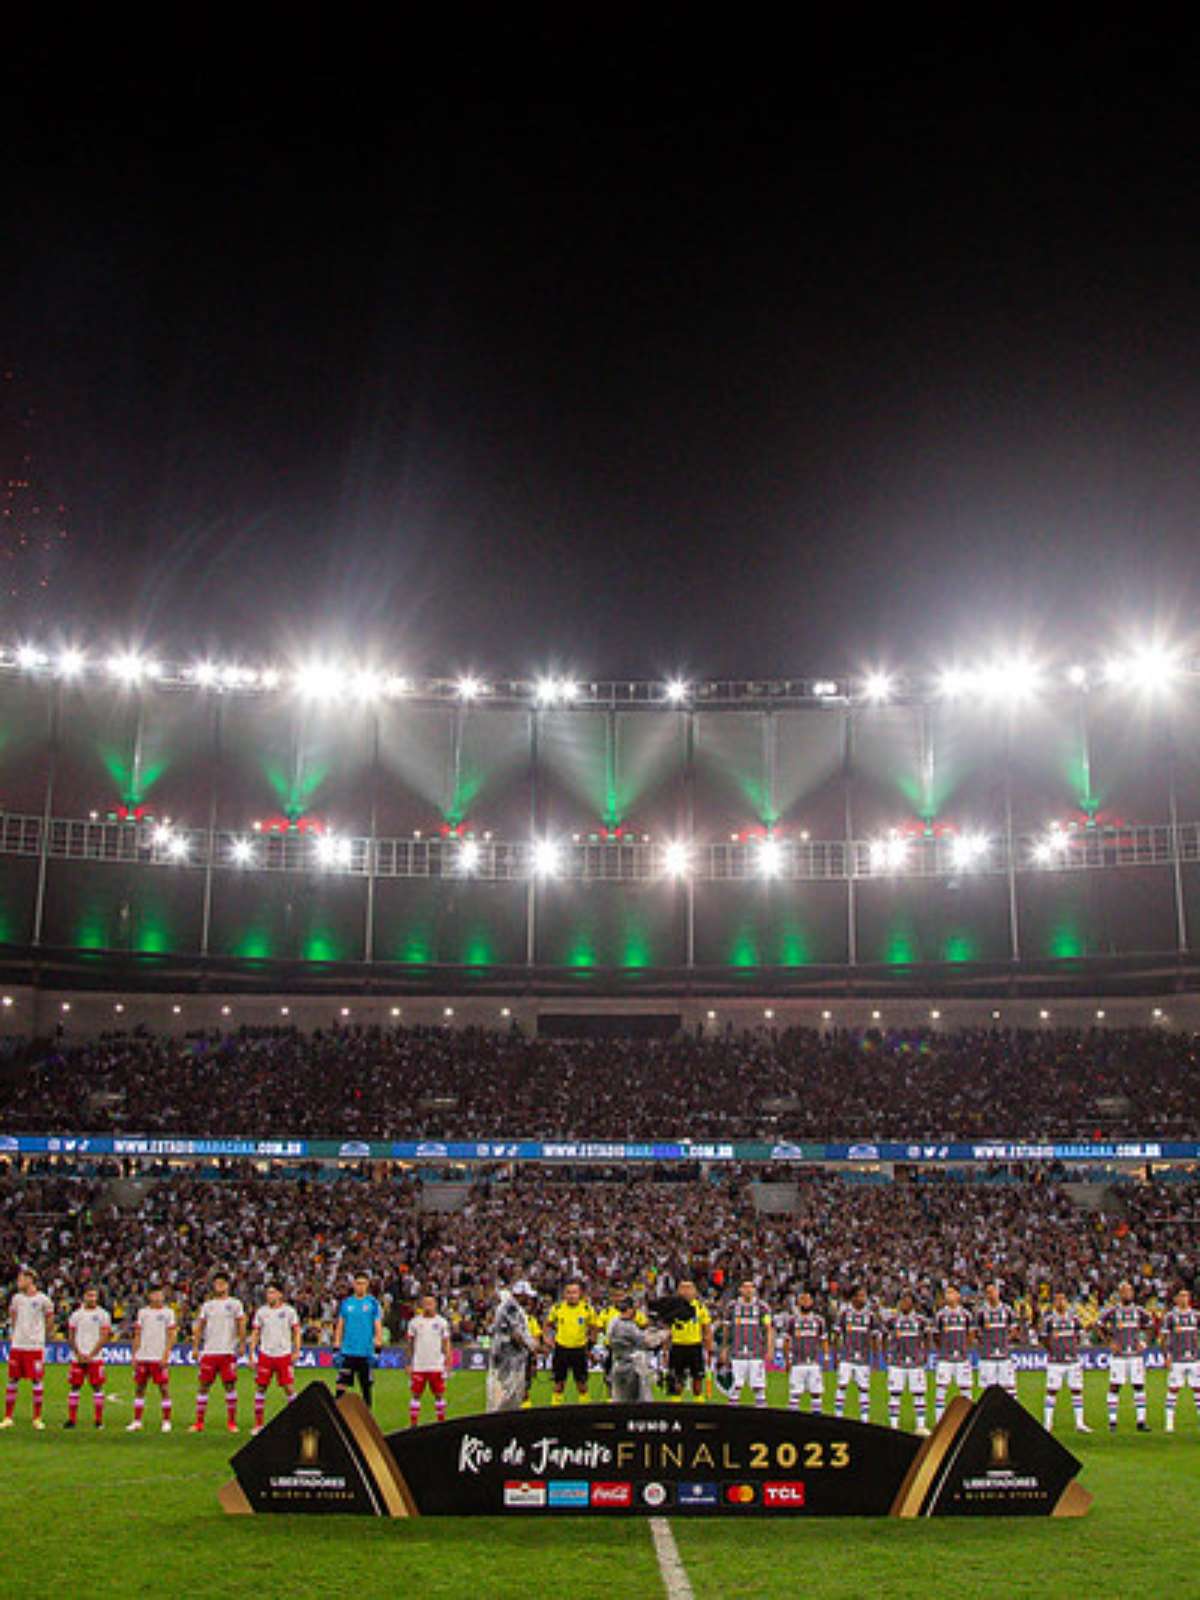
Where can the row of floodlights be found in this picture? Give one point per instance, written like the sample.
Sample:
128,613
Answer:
1005,680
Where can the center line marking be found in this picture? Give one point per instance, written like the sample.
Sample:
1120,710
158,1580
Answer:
670,1563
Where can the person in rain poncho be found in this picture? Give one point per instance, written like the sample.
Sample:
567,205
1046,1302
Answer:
508,1358
629,1343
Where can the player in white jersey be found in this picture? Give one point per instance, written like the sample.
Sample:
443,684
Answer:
217,1340
153,1341
275,1339
89,1328
30,1321
428,1343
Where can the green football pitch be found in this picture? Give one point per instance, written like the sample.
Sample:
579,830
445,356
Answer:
109,1512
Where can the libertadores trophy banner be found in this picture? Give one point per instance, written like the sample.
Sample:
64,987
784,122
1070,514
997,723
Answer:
989,1458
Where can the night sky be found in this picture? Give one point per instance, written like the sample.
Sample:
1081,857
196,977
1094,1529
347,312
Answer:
629,350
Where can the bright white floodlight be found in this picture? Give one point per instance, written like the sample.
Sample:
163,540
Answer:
877,687
1077,676
968,849
367,685
545,691
545,858
468,855
677,691
890,854
70,663
469,688
177,847
270,678
675,859
318,681
241,852
161,837
1153,668
770,858
332,851
127,668
29,658
955,681
205,673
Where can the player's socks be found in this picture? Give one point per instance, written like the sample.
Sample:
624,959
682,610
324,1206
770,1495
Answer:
10,1401
556,1399
1077,1406
939,1402
1139,1402
289,1395
414,1413
1172,1401
231,1407
166,1407
893,1413
760,1398
139,1407
73,1406
839,1402
39,1393
440,1407
1114,1401
201,1408
260,1406
98,1407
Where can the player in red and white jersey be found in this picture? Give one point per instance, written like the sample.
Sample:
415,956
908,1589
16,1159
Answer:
807,1346
1180,1334
428,1343
89,1328
952,1324
218,1336
1062,1336
996,1328
907,1348
275,1341
857,1335
1127,1326
30,1321
153,1340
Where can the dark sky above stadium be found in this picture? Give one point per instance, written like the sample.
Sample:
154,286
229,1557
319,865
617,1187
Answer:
630,349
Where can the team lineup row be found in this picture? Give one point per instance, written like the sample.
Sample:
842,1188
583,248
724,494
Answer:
677,1340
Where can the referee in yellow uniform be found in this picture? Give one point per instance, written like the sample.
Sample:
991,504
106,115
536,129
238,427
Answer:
570,1329
691,1346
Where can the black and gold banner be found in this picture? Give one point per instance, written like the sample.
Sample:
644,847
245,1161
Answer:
986,1459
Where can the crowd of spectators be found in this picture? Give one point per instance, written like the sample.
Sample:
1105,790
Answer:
438,1084
628,1228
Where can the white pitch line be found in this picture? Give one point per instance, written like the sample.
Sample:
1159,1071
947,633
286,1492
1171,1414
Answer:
674,1574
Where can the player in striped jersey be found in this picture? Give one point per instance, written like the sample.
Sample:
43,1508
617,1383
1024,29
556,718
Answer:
1062,1338
907,1348
952,1339
996,1328
1181,1336
749,1344
1126,1325
857,1336
807,1346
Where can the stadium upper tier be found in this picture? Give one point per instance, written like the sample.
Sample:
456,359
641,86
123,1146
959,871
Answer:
435,1084
993,821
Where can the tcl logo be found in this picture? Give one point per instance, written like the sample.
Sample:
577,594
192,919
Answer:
783,1494
612,1494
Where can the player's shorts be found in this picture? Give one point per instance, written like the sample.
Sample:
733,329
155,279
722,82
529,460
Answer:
145,1372
572,1362
1002,1372
806,1378
86,1372
351,1367
900,1379
277,1367
214,1367
1127,1369
858,1372
26,1364
1184,1373
750,1371
435,1380
686,1361
958,1372
1068,1372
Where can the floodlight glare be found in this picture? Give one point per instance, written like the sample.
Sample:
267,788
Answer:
332,851
469,688
317,681
270,678
177,847
824,688
569,691
955,681
545,691
161,837
967,849
890,854
242,852
1153,668
1077,677
127,668
675,859
69,664
468,855
877,687
677,691
30,657
545,858
367,685
770,857
204,673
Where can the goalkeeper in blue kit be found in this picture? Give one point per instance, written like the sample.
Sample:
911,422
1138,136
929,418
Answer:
358,1336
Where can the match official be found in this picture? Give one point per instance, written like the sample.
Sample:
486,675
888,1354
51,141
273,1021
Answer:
570,1328
691,1346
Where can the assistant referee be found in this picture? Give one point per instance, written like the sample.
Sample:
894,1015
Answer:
570,1328
691,1346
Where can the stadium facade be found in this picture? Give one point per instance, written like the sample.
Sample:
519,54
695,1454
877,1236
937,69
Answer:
173,827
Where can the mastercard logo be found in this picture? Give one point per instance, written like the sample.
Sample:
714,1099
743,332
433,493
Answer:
740,1494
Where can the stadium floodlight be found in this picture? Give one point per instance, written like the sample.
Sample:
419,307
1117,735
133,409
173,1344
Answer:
241,852
967,849
319,681
468,856
1153,668
29,658
825,688
177,847
545,858
396,685
270,678
954,682
877,687
332,851
676,859
545,691
232,677
367,685
770,857
128,668
70,663
890,854
469,688
677,691
1077,676
569,691
205,673
161,837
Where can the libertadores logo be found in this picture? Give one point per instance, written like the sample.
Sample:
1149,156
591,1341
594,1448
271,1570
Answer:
790,1493
524,1493
739,1494
612,1494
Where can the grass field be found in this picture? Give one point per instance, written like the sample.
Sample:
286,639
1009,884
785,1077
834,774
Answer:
110,1512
